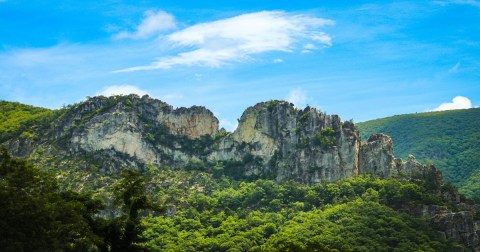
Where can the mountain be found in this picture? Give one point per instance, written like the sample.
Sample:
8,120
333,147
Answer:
273,140
280,160
448,139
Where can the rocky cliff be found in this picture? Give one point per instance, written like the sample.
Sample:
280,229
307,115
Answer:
273,140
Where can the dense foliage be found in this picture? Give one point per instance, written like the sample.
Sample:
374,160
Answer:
449,139
354,214
205,213
75,204
16,119
36,216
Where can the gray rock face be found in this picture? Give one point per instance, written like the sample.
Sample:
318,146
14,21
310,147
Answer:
273,139
410,167
287,143
136,126
376,156
458,227
476,228
307,146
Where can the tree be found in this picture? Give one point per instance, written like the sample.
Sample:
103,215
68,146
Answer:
35,215
124,232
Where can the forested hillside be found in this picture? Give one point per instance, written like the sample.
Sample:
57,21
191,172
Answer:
130,173
449,139
17,118
176,210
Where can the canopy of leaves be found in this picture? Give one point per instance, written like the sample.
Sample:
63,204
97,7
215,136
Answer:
448,138
354,214
36,216
209,213
16,118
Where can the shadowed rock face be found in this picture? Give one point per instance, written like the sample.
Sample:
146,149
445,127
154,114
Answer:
376,156
458,226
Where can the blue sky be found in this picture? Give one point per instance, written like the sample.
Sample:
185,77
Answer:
363,61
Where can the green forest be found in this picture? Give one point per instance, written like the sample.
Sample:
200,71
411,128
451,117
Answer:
16,118
54,203
178,210
448,139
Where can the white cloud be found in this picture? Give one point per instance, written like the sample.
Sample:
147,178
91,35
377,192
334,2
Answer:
122,90
309,46
152,24
298,97
454,69
323,38
238,38
459,102
278,60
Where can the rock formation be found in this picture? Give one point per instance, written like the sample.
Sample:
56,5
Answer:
273,139
288,143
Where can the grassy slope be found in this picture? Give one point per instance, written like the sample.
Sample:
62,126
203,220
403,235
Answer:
450,139
17,118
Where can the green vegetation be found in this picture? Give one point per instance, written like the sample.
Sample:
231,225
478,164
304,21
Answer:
450,139
213,213
36,216
123,233
16,119
325,138
350,215
84,203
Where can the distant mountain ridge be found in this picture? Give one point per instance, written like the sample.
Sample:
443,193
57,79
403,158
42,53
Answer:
448,139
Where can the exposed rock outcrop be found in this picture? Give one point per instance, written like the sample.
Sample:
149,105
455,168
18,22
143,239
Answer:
134,126
288,143
193,122
458,227
273,139
376,156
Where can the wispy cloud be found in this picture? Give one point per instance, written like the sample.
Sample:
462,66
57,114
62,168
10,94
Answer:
238,38
297,97
152,24
459,102
460,2
122,90
454,69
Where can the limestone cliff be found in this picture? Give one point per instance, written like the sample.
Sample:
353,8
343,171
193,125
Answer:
287,143
273,140
144,128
